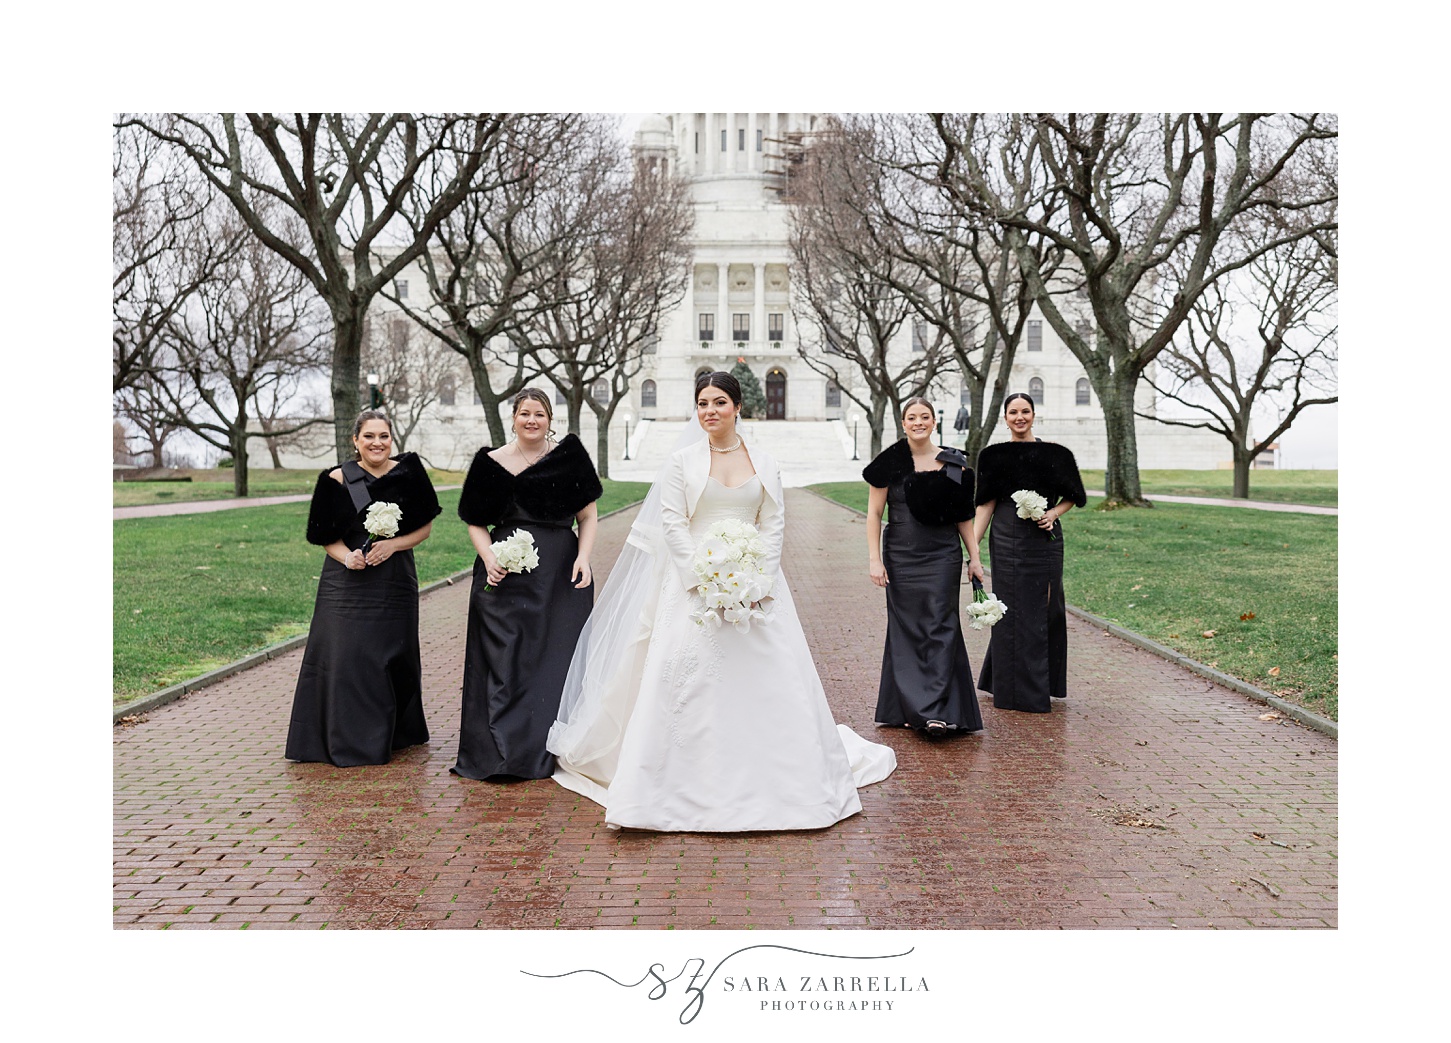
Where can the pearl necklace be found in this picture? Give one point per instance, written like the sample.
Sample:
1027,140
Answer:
729,449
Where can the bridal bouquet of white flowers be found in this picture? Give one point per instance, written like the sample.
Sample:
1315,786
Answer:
381,521
1032,506
984,609
732,580
517,553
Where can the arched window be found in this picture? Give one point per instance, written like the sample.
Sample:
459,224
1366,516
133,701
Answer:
1080,392
833,395
601,391
703,371
647,395
1035,390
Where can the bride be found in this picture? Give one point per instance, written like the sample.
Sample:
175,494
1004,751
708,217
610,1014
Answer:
677,726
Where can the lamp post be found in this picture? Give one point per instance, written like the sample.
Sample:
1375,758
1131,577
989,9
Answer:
855,418
374,398
627,434
940,435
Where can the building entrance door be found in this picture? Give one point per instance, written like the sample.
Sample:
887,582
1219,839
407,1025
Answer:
776,395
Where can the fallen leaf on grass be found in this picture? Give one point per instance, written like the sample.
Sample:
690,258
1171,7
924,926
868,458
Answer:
1136,586
1173,637
1209,633
1245,617
1274,671
203,568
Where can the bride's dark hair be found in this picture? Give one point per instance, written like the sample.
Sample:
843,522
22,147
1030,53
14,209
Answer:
727,383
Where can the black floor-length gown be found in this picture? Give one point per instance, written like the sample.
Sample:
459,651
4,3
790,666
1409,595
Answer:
926,675
1026,665
522,633
360,689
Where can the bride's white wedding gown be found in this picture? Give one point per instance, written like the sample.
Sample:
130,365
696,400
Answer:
711,729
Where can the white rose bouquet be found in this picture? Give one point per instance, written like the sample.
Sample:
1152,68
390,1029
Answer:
984,609
1032,506
732,579
517,553
381,521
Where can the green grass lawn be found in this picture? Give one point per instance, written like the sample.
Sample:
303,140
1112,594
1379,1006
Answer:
1176,571
1319,488
216,484
193,592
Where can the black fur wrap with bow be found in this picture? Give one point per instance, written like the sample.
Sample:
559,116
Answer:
933,497
407,485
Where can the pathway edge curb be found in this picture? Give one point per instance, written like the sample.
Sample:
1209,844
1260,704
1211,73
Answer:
1298,713
174,692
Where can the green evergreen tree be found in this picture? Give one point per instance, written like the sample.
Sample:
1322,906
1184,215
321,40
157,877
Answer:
753,399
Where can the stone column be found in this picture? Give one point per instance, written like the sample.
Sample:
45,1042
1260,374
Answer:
758,321
753,162
723,308
708,150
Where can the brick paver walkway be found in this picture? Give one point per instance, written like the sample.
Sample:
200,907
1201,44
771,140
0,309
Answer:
1150,798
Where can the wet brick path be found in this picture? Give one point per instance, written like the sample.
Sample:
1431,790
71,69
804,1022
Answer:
1149,798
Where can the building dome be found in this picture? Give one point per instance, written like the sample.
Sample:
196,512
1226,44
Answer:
654,131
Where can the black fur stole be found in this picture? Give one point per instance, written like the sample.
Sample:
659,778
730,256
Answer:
559,486
932,496
332,515
1047,468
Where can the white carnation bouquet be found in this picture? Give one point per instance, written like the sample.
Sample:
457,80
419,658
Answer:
1032,506
517,553
728,564
381,521
984,609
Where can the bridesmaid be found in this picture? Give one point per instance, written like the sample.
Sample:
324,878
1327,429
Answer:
926,678
522,632
360,690
1027,656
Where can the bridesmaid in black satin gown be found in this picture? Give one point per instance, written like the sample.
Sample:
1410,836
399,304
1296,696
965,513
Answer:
1026,665
522,632
360,689
926,678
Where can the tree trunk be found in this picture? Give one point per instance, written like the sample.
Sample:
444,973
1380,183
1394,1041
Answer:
876,419
239,459
1121,475
574,406
347,377
602,443
1243,458
489,399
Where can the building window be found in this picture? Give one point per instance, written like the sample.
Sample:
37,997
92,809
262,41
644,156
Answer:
651,345
1035,390
697,142
1080,392
400,390
965,398
401,287
760,138
741,326
833,348
707,325
741,139
478,399
1083,328
647,395
919,336
601,391
833,395
703,371
1035,334
558,395
776,326
722,140
447,391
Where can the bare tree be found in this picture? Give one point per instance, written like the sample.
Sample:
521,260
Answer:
252,327
624,263
1288,361
484,259
848,284
343,180
147,407
957,272
416,372
158,258
1137,203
